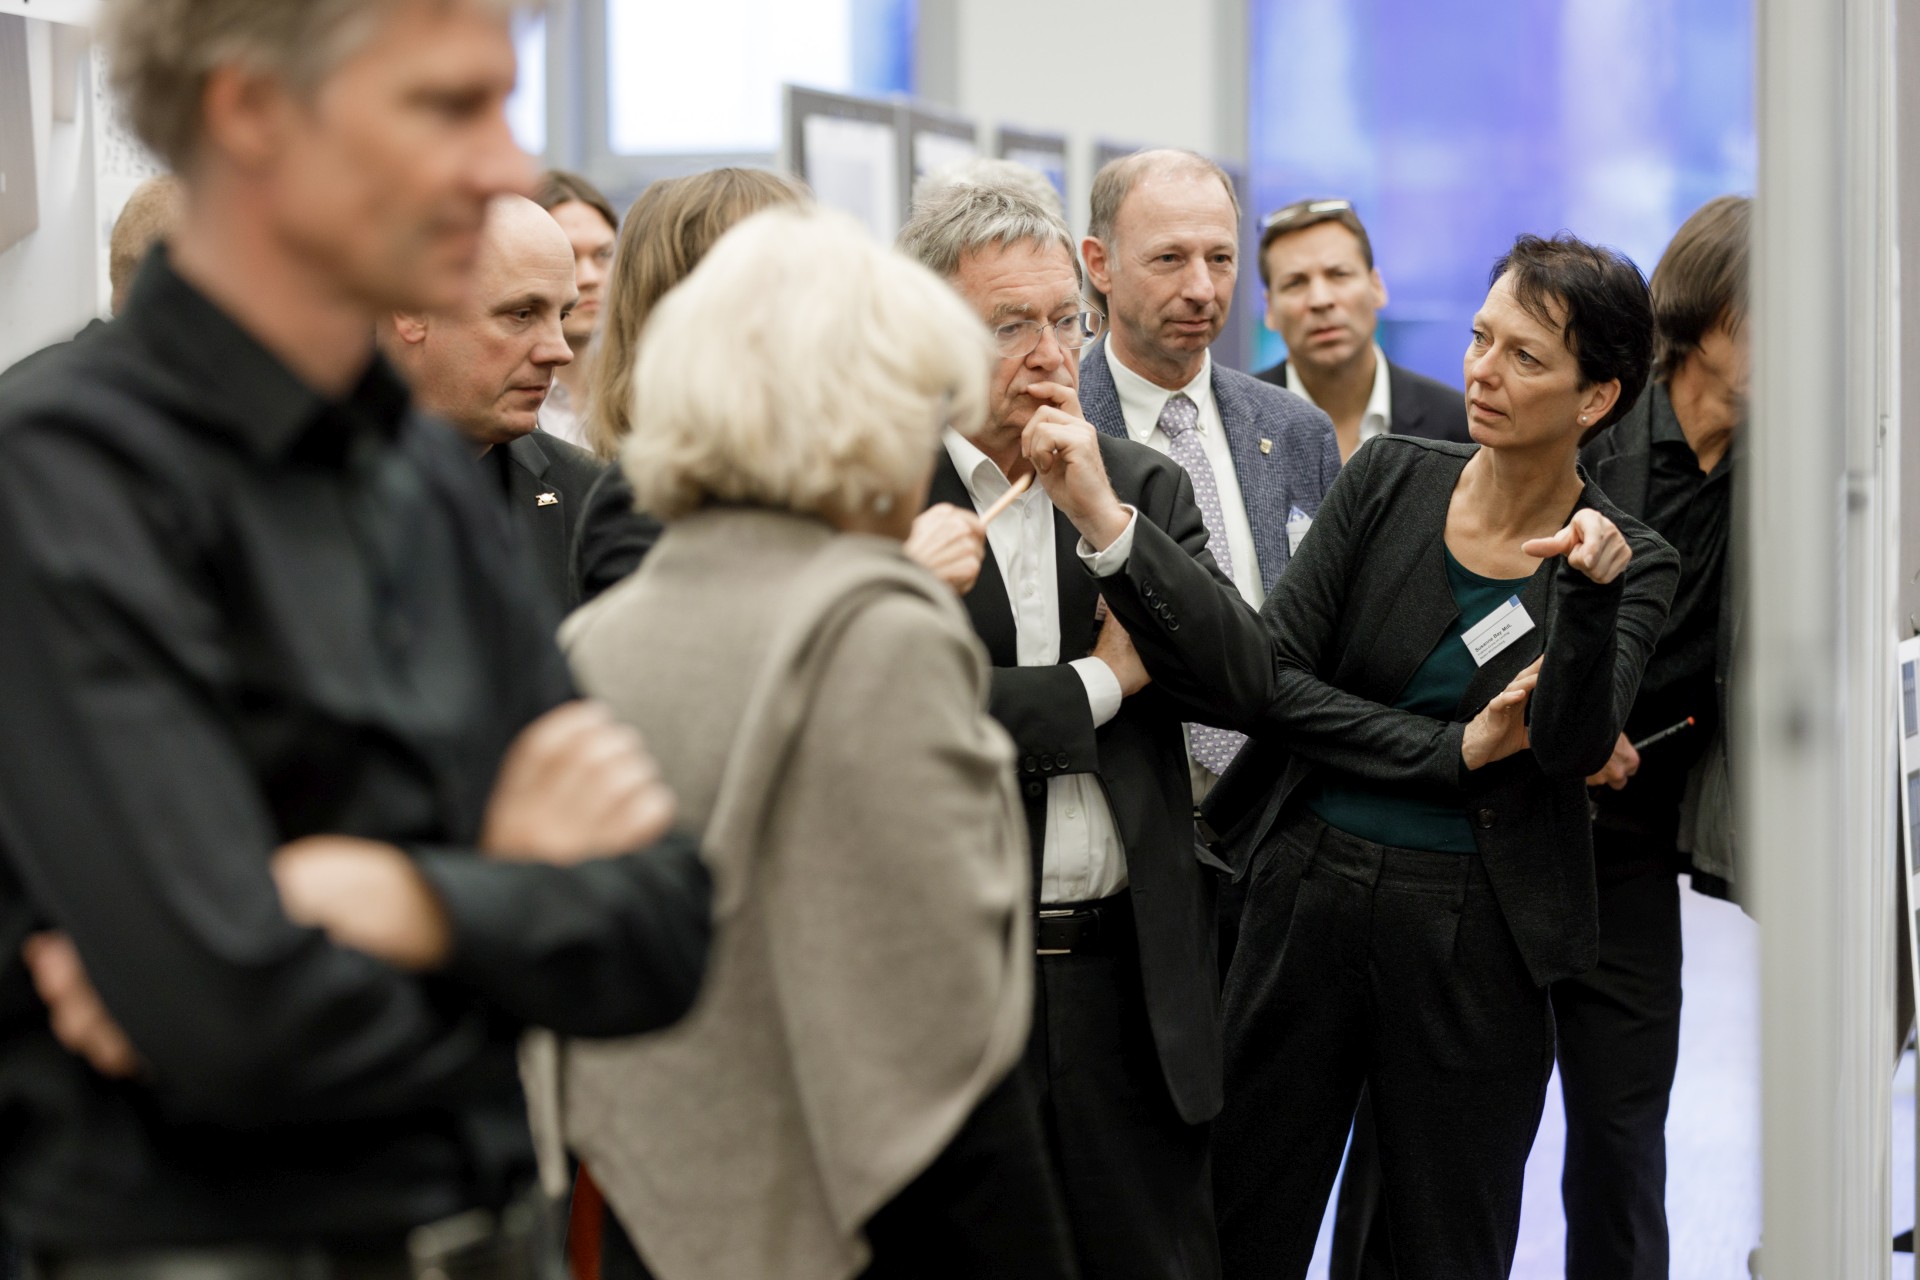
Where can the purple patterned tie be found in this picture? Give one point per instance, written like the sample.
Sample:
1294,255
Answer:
1213,748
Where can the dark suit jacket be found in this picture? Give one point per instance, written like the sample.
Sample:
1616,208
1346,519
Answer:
1421,406
18,369
1211,648
575,516
1364,604
1618,459
1284,452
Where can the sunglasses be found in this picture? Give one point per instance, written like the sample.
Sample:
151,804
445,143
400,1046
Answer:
1304,209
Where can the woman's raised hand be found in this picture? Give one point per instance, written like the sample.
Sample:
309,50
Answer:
1500,729
1591,543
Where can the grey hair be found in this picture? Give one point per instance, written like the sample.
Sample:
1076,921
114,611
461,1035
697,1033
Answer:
162,52
985,171
1118,177
960,219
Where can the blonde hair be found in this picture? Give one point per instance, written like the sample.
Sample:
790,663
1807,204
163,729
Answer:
151,214
666,233
801,367
162,51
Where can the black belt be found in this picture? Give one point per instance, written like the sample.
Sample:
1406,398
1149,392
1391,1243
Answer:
517,1243
1099,928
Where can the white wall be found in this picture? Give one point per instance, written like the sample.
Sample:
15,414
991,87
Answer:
1144,72
50,281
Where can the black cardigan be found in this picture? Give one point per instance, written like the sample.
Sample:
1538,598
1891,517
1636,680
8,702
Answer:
1360,608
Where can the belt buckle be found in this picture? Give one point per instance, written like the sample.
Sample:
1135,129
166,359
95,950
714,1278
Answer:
1054,914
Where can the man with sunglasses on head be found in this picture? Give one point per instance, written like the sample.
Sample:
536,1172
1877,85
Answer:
1125,1051
1324,296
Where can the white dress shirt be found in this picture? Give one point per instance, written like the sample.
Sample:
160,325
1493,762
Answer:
1082,859
559,416
1378,418
1140,405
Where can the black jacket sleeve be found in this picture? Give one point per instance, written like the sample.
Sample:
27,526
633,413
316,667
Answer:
612,537
1313,717
1596,648
136,825
1046,713
1201,643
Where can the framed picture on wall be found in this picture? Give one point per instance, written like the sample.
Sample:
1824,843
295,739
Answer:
1908,717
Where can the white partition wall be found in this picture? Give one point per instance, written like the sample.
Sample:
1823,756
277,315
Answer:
1815,734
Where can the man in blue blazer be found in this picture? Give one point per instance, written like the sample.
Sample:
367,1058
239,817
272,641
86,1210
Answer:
1162,247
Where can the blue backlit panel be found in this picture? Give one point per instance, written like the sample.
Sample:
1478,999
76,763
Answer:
1454,126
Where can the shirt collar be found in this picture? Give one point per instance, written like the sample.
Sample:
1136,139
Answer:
1666,425
979,473
1141,402
1379,400
239,387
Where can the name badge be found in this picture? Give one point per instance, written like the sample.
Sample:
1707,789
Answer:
1298,522
1497,630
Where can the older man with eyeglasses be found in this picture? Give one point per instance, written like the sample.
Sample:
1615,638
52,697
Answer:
1125,1048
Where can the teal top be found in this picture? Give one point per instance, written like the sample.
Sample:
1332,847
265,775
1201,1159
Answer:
1380,813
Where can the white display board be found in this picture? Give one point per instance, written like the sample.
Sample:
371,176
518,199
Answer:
1908,718
121,162
853,165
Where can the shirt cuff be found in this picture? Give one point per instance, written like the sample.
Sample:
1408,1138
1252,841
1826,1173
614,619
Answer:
1103,687
1104,564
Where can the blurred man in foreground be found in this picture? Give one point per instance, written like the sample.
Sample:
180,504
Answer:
311,814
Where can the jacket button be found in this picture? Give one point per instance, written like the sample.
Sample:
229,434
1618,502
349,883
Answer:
1061,760
1172,624
1483,818
1029,764
1036,789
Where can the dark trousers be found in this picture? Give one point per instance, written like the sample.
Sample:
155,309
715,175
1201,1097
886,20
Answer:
1619,1027
1359,964
1618,1032
1135,1175
987,1208
1362,1245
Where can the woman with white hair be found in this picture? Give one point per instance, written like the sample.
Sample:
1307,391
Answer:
845,1098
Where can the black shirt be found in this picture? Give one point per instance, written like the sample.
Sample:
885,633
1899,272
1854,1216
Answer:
1692,510
237,614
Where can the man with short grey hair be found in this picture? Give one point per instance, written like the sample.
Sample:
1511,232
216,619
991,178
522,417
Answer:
1125,1048
989,171
308,825
1163,246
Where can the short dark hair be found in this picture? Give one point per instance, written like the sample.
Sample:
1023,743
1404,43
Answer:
1608,313
1302,214
558,187
1701,281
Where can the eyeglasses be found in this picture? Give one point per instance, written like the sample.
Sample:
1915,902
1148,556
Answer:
1016,339
1288,214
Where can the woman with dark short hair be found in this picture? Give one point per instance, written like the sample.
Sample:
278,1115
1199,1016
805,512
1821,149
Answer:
1458,641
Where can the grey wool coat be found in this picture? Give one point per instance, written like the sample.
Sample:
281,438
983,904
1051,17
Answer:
817,703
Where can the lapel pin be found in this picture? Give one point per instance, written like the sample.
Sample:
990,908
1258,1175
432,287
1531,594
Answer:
548,499
1266,446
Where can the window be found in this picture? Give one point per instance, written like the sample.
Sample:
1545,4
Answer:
704,79
527,108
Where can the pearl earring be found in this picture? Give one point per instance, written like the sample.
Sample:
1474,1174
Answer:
883,503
